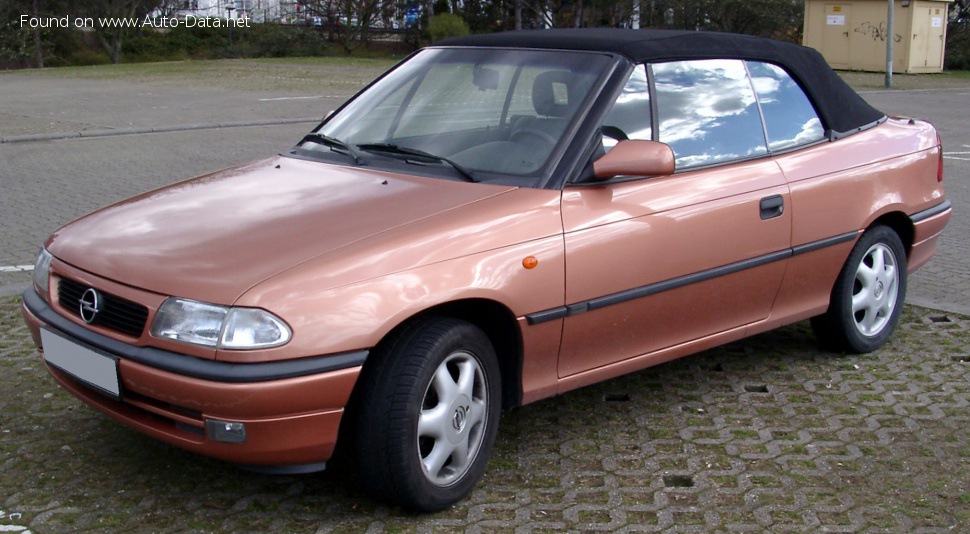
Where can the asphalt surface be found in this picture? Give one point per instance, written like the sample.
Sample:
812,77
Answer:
767,434
73,145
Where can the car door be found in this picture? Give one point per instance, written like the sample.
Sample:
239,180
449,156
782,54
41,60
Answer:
653,263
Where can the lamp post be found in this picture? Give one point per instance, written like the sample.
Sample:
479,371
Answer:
890,32
229,8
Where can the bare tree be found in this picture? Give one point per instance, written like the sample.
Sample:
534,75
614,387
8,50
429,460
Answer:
768,18
958,36
115,21
24,44
170,8
38,45
348,21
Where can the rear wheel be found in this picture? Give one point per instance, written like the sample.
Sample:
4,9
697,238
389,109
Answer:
868,296
428,414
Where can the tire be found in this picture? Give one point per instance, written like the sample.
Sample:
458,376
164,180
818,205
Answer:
428,414
868,296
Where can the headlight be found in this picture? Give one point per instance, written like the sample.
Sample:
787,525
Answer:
248,328
189,321
210,325
42,270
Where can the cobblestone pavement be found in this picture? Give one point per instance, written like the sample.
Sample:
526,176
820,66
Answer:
767,434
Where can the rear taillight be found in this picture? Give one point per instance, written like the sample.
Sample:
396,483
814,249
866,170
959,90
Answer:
939,166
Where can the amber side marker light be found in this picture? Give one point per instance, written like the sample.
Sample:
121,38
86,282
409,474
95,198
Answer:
530,262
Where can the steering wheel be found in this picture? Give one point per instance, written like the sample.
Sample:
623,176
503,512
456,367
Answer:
534,132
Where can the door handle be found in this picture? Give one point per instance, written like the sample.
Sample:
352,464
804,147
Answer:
772,207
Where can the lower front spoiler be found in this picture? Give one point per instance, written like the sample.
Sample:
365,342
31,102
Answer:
290,422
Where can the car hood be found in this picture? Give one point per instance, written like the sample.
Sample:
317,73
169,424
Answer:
214,237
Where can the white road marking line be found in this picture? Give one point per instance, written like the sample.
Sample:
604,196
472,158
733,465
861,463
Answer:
16,268
290,98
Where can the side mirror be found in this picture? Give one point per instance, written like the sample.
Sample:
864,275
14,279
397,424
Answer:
635,158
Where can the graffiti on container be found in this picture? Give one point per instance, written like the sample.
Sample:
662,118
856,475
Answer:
877,33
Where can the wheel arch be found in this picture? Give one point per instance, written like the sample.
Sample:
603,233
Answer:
497,322
500,326
900,223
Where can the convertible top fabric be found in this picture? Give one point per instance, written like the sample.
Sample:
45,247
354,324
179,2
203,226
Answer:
840,108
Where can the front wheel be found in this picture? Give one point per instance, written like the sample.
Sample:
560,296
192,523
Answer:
868,296
428,414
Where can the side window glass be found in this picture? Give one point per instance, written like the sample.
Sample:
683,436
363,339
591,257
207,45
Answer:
708,112
789,116
630,116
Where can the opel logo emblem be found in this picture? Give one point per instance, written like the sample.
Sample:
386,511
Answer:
458,421
91,304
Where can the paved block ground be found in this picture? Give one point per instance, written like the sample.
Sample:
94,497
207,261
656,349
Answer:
767,434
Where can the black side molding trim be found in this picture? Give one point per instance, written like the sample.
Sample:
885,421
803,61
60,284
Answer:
681,281
227,372
548,315
932,212
823,243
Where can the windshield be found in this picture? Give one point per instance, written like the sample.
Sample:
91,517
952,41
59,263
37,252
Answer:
487,111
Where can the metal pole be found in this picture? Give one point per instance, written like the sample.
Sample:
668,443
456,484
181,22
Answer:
890,32
229,21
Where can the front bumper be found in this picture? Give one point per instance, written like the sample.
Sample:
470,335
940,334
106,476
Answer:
291,410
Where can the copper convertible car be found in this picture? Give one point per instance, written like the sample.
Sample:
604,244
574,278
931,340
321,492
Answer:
496,220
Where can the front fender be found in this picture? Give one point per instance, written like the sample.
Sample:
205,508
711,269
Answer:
360,314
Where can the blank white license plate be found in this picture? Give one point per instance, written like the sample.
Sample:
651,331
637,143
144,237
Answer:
95,369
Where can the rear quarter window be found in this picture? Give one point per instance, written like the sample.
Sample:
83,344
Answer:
790,118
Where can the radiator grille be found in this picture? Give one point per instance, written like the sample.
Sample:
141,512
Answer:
116,313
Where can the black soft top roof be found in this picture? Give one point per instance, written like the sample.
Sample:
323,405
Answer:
841,109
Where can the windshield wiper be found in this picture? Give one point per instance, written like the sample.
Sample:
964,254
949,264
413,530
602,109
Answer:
465,173
335,145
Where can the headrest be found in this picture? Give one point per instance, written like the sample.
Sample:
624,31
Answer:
551,96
